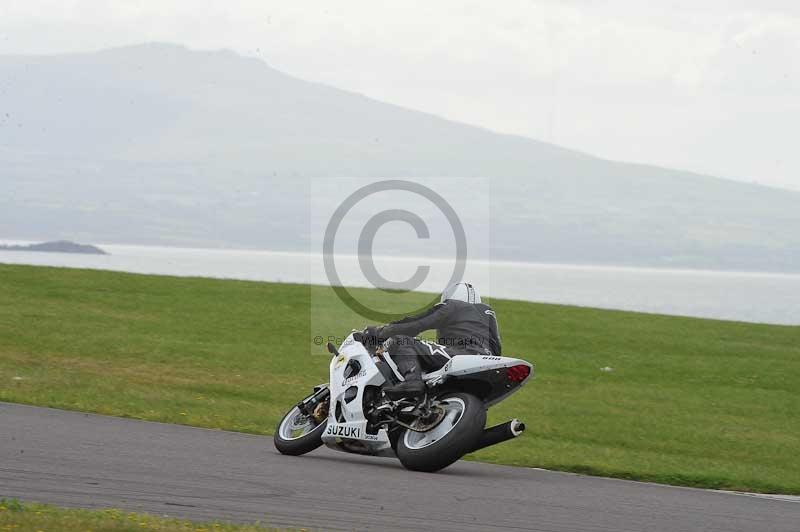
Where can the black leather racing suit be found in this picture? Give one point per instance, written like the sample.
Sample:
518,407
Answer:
461,329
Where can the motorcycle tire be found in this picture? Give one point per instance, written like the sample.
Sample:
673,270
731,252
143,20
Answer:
302,444
456,435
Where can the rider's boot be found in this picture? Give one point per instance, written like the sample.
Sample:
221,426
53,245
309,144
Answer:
410,388
404,356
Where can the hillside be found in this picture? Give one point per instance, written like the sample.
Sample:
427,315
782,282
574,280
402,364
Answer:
686,401
160,144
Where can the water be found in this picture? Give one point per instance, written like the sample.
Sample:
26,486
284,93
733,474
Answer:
741,296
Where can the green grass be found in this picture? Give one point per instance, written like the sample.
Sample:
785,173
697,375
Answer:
30,517
692,402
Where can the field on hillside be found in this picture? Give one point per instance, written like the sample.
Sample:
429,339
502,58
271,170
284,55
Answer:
692,402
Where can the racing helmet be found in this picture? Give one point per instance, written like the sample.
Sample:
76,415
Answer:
462,292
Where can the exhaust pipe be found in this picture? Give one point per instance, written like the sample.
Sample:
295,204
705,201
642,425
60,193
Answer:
500,433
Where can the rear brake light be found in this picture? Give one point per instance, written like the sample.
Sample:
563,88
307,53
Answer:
518,373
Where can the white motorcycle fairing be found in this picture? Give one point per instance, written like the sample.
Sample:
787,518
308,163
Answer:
354,372
347,426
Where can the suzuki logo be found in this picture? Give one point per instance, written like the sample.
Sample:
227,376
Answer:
343,431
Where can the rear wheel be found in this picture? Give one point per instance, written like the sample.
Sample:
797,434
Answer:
298,433
453,437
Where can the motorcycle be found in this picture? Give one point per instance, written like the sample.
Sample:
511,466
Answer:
353,415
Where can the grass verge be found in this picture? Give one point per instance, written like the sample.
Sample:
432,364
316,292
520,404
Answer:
31,517
688,401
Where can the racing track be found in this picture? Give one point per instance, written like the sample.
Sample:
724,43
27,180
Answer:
75,459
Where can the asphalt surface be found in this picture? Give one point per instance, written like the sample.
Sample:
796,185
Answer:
75,459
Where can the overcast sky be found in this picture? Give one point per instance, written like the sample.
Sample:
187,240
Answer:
714,89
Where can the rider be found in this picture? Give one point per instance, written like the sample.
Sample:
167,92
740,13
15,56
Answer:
464,326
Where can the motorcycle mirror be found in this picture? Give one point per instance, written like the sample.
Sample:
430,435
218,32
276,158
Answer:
332,349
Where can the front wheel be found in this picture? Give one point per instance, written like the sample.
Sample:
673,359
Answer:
456,435
298,433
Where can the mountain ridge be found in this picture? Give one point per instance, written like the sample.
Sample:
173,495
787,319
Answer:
162,144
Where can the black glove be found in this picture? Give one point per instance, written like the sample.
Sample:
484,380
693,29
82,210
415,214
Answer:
371,339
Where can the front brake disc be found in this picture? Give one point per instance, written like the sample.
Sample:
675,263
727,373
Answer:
320,412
